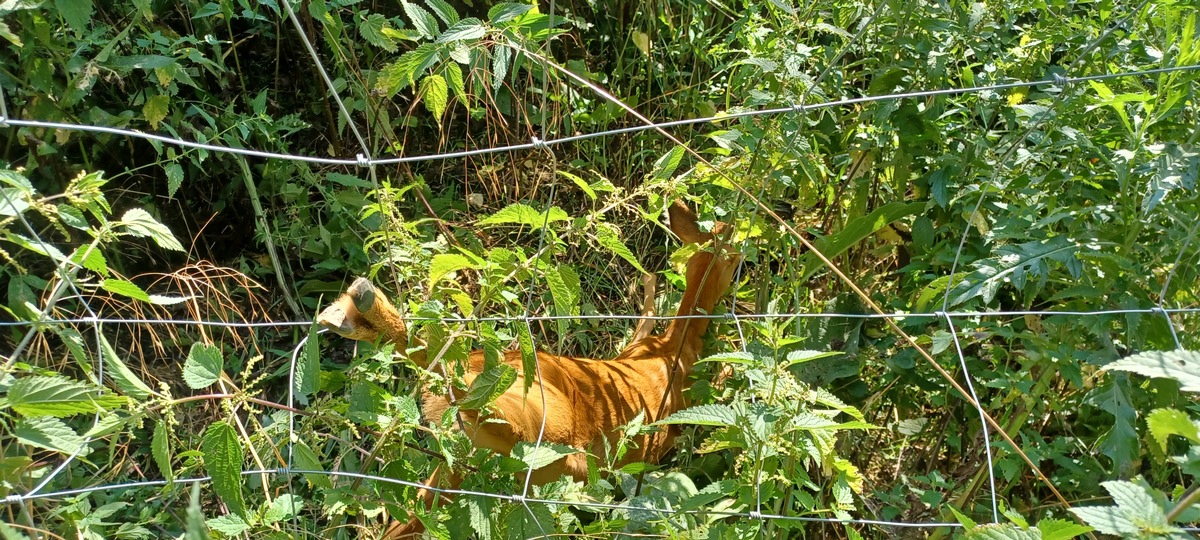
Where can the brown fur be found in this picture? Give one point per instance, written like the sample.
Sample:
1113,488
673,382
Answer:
586,400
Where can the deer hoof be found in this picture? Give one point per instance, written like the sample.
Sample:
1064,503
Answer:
334,318
363,294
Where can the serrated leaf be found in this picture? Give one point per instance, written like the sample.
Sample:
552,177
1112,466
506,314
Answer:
1000,531
524,215
90,257
124,288
228,525
71,217
139,222
529,359
506,11
800,357
454,78
307,377
565,291
464,30
422,20
1166,422
500,58
47,433
536,457
405,70
666,165
1136,503
1181,365
304,459
703,415
731,357
856,231
160,448
610,238
435,95
77,13
1106,519
125,378
56,396
156,109
372,30
203,366
283,507
445,263
174,173
443,10
488,386
479,511
223,462
195,517
1061,529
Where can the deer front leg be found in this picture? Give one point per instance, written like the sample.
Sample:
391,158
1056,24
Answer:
413,528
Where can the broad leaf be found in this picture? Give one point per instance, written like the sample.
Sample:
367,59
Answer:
53,396
203,366
125,288
223,462
1166,422
525,215
445,263
1181,365
139,222
488,386
703,415
610,238
126,379
464,30
538,456
160,448
422,20
435,95
48,433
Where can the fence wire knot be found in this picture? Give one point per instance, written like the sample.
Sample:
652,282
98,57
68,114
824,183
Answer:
1061,80
14,498
362,160
538,143
754,514
798,108
518,498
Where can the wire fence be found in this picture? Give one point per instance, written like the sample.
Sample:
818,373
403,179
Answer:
364,159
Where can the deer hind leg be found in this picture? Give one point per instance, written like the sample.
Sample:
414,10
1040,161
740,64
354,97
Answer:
413,527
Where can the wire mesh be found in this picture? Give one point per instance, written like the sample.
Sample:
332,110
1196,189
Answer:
542,143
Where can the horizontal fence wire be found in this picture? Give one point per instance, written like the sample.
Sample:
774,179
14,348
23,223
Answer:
362,160
601,317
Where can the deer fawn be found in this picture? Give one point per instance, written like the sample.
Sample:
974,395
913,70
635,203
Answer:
585,400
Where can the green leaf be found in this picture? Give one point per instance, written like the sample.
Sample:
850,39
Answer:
800,357
422,20
160,448
308,368
1000,531
479,511
223,462
435,95
856,231
732,357
303,458
536,457
405,70
283,507
524,215
529,359
488,386
1136,502
228,525
48,433
156,109
371,29
90,257
610,238
500,57
666,165
703,415
57,396
464,30
203,366
445,263
1061,529
566,292
1166,422
1107,520
77,13
124,288
507,11
140,223
195,517
1181,365
174,172
125,378
454,78
443,10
